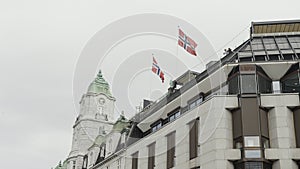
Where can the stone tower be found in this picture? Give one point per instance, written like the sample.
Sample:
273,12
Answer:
96,117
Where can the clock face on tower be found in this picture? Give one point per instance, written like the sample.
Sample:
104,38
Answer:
101,101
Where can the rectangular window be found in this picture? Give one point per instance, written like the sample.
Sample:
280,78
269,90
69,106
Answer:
85,162
74,164
174,115
297,126
252,141
193,139
171,150
276,86
290,83
119,163
233,85
195,101
252,153
156,126
192,105
248,83
199,100
264,84
135,160
151,156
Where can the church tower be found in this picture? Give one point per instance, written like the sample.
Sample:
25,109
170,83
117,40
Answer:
96,117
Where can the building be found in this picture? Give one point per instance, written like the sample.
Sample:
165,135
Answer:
242,112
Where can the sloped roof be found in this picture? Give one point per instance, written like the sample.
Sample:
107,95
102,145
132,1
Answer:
267,48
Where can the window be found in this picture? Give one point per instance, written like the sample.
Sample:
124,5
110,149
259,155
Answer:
253,165
151,156
171,150
193,139
192,105
276,86
119,163
91,159
265,143
196,101
238,145
85,162
102,153
233,85
290,83
174,115
74,164
248,83
135,160
252,141
252,153
297,126
156,126
264,84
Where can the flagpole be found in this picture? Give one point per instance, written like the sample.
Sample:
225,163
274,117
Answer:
150,89
177,41
177,49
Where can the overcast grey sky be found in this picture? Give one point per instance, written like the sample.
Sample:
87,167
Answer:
42,40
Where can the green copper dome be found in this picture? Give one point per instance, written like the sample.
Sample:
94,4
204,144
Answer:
99,85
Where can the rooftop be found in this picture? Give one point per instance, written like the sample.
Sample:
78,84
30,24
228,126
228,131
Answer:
263,47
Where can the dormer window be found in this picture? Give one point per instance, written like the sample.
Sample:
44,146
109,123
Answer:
196,101
174,115
157,125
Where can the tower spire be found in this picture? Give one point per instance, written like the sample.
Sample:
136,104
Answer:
99,85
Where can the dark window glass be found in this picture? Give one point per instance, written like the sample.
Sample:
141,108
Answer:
193,139
239,166
248,83
253,165
233,86
74,164
264,84
288,56
171,150
290,83
297,126
135,160
273,57
260,58
151,156
246,59
237,124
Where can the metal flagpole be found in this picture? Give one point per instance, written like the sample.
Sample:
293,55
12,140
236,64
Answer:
177,49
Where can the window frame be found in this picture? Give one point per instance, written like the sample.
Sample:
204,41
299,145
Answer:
151,155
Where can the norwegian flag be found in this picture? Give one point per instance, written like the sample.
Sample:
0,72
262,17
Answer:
156,69
187,43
